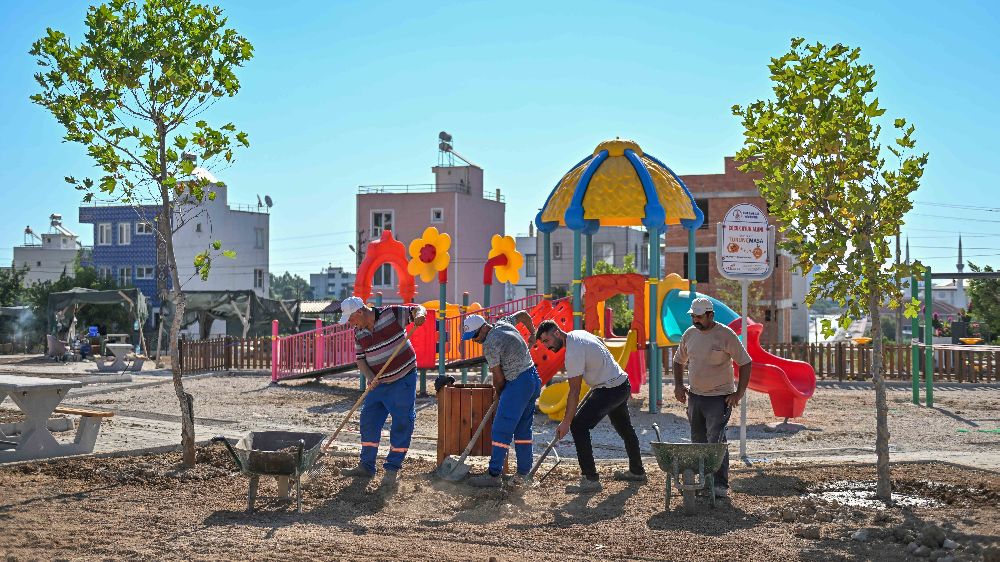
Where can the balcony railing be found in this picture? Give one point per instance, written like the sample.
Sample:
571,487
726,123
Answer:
427,188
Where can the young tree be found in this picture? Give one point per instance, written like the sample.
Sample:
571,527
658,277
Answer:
132,92
984,294
823,171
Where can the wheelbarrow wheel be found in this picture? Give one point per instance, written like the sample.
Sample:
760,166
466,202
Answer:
688,491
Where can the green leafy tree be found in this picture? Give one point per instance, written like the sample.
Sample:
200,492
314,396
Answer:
817,153
134,92
287,286
12,285
984,296
621,311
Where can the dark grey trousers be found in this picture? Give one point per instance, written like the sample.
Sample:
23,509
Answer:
709,416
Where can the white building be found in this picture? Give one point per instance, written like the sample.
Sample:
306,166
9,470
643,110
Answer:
332,283
241,228
49,255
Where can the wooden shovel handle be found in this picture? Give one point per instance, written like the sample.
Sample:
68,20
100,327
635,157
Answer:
371,385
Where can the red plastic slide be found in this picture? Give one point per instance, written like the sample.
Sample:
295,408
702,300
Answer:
788,383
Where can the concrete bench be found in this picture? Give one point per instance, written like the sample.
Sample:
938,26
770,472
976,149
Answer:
90,425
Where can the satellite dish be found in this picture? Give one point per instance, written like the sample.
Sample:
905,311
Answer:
268,201
444,136
444,147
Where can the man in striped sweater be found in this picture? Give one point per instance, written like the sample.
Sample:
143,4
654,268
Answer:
378,331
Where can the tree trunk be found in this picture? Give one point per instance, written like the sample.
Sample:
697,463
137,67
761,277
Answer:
165,226
884,488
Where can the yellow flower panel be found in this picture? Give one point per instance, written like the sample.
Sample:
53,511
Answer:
675,202
563,194
615,192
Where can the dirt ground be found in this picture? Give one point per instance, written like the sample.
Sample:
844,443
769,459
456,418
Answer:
146,507
838,421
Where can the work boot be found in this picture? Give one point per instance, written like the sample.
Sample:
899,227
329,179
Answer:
357,472
485,480
586,486
629,476
390,479
524,480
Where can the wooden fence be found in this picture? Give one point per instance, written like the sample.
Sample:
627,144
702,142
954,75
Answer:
225,354
850,361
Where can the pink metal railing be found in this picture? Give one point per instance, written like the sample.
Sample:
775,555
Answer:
329,347
323,348
456,349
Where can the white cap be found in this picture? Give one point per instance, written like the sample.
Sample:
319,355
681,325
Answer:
471,326
700,306
349,306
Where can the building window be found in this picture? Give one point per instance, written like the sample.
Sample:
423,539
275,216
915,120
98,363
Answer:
557,251
703,205
437,215
144,272
383,276
104,272
381,220
605,252
124,276
124,233
700,266
143,227
530,265
104,234
258,279
258,237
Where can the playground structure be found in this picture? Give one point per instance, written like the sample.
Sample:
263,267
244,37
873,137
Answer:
617,185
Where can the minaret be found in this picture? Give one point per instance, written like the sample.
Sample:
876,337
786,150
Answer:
960,301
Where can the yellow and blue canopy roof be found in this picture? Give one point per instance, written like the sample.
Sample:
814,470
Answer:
619,185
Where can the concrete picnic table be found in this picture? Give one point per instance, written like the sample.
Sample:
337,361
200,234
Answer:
119,350
37,398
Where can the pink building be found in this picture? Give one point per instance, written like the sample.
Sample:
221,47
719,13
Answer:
455,203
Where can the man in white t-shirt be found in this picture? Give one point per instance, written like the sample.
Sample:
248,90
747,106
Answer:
709,350
588,359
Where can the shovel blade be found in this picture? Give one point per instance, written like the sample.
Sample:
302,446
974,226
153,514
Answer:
452,470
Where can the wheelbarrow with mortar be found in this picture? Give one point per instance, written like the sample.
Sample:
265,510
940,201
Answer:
689,466
286,455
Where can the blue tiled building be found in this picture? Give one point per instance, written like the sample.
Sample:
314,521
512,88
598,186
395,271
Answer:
125,245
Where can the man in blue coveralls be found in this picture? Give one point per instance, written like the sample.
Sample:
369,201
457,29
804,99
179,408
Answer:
378,331
516,381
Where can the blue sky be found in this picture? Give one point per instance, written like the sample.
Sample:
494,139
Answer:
341,94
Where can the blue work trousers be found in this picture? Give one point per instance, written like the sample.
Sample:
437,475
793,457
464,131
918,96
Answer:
397,399
514,416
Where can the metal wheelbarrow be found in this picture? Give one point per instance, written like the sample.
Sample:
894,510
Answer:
285,455
690,467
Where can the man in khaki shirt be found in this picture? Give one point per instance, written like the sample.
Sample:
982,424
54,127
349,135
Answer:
709,349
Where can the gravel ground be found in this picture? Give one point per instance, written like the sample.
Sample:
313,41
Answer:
147,507
838,422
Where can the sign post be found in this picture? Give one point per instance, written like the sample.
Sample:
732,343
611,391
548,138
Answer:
745,253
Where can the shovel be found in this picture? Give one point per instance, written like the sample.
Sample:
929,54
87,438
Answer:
551,447
373,384
453,469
